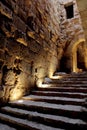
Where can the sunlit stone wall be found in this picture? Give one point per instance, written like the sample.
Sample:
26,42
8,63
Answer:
29,33
82,6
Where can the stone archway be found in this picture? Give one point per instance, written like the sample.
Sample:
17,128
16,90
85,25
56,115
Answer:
70,58
74,54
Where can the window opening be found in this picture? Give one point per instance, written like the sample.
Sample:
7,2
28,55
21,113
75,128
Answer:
69,11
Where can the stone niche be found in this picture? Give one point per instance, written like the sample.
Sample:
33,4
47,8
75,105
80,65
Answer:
29,32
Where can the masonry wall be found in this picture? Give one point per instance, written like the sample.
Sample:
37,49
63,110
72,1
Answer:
29,33
82,6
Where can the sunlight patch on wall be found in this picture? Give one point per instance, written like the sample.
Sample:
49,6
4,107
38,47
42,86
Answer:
16,94
56,77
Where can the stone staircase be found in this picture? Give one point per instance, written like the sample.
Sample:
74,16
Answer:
59,104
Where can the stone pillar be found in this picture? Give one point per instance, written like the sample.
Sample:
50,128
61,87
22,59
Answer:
74,60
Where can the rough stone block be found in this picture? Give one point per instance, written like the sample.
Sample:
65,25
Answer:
35,47
22,14
12,4
2,55
6,11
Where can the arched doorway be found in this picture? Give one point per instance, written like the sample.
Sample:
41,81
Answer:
75,63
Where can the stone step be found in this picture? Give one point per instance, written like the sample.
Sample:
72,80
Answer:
65,81
60,94
50,85
62,84
25,124
83,74
63,89
55,100
78,74
46,119
68,82
72,76
6,127
71,111
73,79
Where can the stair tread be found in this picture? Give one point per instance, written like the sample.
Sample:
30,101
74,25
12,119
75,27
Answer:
58,92
23,122
73,79
71,75
46,116
66,87
65,83
53,98
49,105
6,127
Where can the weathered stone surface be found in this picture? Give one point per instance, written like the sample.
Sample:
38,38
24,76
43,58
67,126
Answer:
26,28
82,6
19,24
5,11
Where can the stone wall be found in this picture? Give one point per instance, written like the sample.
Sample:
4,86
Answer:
29,33
82,6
